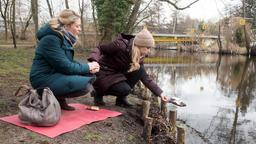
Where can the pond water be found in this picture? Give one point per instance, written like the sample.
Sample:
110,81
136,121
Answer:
219,92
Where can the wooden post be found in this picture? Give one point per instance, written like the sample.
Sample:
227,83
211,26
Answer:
145,109
164,108
145,94
172,121
155,102
181,135
147,129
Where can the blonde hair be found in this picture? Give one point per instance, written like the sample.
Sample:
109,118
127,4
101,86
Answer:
135,64
66,17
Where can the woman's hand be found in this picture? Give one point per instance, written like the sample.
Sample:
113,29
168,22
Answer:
164,98
94,67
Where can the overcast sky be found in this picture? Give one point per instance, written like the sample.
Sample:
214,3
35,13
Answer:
209,9
212,10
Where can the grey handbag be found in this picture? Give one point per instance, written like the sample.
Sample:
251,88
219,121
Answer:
39,107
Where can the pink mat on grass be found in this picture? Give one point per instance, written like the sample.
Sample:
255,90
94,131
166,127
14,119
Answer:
70,120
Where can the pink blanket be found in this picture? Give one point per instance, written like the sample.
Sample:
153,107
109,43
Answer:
70,120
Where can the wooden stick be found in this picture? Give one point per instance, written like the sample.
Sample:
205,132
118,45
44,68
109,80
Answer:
172,121
156,101
181,135
145,109
145,94
147,129
164,108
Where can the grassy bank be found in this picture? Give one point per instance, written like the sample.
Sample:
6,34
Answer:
15,65
14,69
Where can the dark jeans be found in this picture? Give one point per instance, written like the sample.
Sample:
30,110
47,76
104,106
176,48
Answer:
87,89
123,88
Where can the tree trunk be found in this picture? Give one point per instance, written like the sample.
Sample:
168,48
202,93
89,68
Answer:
66,4
95,21
4,6
5,29
13,25
107,34
219,39
34,7
49,8
174,22
133,17
247,39
81,8
23,31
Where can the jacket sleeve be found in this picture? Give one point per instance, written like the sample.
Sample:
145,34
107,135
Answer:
107,49
56,57
149,83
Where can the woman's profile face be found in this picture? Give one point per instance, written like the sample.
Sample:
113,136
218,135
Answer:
144,51
75,28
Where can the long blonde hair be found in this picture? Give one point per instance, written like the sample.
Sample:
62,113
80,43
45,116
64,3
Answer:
66,17
135,64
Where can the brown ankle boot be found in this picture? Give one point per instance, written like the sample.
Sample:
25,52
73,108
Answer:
64,105
98,100
123,102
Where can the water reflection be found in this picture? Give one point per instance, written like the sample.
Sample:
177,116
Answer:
219,91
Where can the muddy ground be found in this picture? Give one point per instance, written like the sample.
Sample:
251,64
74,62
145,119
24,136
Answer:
14,68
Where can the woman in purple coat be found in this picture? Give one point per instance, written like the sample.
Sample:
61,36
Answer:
121,67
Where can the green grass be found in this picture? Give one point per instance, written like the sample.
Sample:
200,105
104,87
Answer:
15,65
15,61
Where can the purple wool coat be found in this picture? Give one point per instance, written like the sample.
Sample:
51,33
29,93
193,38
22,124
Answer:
114,59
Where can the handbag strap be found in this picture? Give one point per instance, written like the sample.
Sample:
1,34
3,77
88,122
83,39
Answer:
18,93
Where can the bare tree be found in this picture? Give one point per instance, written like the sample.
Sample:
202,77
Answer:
133,17
81,9
111,20
247,38
34,8
154,12
134,20
95,20
25,27
175,4
4,6
175,21
24,15
50,8
219,39
13,23
66,4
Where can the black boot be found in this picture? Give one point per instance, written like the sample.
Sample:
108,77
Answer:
64,105
122,102
98,100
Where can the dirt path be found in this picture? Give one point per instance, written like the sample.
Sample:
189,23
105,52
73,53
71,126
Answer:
123,129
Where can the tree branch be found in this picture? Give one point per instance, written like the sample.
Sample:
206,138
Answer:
174,4
144,8
136,24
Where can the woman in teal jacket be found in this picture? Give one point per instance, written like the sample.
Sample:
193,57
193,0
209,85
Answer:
53,65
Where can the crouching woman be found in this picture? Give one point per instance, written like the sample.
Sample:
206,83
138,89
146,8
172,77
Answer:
53,65
121,63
